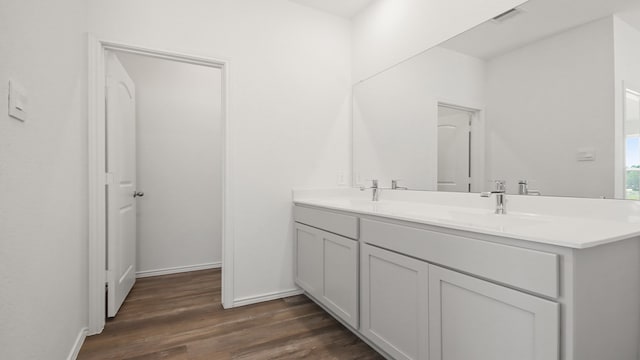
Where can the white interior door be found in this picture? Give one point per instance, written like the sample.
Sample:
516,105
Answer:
121,184
454,135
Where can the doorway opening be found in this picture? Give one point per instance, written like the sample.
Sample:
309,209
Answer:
455,148
158,161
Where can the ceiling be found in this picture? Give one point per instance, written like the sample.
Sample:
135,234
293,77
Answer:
632,16
537,19
343,8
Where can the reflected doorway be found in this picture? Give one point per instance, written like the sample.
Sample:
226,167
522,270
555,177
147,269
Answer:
454,148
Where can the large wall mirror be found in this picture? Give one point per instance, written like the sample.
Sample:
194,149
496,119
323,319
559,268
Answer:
548,93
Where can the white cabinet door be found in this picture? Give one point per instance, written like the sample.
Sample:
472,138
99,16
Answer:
475,319
309,259
327,269
394,303
340,293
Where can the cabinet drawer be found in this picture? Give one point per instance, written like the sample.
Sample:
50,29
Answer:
526,269
344,225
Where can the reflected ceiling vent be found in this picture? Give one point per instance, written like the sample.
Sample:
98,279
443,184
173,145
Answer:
509,14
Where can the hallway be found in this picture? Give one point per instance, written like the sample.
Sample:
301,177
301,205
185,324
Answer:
180,317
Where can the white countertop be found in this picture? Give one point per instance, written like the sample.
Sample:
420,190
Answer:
568,222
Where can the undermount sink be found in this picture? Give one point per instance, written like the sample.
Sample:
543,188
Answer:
468,217
494,221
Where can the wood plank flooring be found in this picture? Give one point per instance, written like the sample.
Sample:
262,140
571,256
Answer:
180,316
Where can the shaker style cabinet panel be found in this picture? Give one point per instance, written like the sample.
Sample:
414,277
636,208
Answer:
473,319
327,269
394,303
309,262
341,277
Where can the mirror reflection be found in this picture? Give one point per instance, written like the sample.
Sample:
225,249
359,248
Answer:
546,97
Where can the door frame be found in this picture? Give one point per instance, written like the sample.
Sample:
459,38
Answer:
477,146
97,177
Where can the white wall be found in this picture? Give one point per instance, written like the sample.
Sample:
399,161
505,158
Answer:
389,31
544,102
179,161
43,180
395,121
289,108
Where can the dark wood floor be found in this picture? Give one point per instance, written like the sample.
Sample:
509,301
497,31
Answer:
180,317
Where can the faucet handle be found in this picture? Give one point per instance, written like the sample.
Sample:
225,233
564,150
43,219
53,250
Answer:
501,185
485,194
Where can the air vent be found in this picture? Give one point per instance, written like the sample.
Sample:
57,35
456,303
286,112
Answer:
506,15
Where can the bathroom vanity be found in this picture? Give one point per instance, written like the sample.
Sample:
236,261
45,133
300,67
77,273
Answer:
432,275
437,274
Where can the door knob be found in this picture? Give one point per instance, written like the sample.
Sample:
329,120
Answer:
138,194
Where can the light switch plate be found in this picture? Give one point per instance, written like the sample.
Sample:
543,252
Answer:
17,101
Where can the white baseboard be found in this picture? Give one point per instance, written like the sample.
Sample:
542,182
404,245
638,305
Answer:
178,269
266,297
75,350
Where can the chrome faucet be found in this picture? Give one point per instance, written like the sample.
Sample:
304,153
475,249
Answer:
501,196
375,190
523,189
394,185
